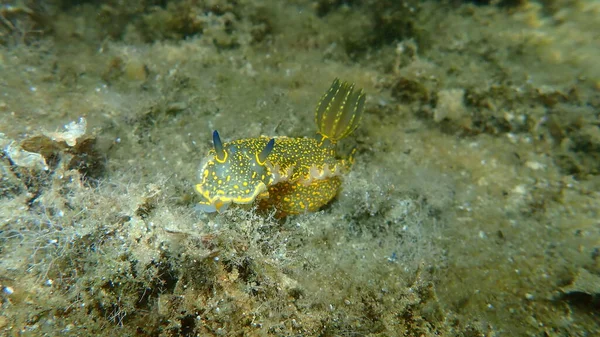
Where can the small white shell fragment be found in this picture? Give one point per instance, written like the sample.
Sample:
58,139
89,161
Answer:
534,165
25,158
74,131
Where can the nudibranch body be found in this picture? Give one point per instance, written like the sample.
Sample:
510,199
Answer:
293,175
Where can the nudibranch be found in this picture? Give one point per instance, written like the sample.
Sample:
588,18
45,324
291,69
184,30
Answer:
292,175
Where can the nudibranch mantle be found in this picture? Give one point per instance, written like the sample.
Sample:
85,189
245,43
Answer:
292,175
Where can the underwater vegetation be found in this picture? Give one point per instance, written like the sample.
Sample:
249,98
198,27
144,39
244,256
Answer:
465,204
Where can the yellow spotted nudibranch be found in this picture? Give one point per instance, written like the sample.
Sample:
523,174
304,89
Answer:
293,175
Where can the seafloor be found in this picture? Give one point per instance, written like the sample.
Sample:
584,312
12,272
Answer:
471,210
